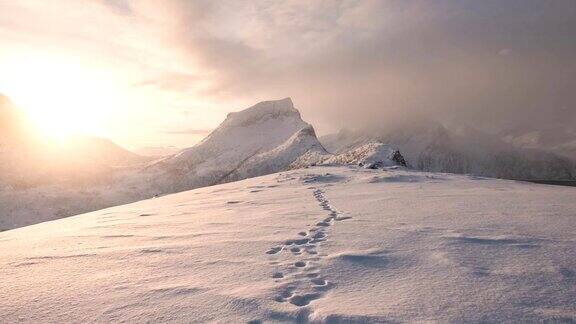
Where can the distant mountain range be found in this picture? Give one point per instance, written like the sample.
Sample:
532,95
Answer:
27,159
430,146
266,138
559,139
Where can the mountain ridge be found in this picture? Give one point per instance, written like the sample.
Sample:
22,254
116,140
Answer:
430,146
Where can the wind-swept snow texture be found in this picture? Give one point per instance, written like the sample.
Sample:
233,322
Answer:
323,244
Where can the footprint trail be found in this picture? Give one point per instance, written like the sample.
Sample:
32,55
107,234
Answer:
300,282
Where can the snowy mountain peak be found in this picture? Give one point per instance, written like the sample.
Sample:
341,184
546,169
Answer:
262,111
262,139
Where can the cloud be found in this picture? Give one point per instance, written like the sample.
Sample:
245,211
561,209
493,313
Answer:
345,63
352,61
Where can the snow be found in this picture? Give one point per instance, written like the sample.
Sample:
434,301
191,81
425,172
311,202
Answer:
322,244
303,142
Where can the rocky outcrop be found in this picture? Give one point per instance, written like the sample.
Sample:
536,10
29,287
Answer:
370,156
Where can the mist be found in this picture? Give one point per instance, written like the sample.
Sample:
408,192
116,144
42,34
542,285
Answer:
494,64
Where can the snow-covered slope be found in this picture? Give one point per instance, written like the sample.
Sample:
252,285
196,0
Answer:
303,142
371,155
326,244
262,139
429,146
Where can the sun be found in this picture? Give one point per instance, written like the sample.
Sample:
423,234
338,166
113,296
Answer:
61,98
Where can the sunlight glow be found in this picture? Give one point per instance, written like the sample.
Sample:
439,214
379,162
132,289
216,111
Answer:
61,97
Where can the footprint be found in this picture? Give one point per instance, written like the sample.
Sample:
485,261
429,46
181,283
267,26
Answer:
311,248
284,295
274,250
303,300
307,243
255,322
297,241
295,250
319,235
300,264
319,282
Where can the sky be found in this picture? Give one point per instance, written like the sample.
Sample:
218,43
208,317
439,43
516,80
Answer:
158,73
